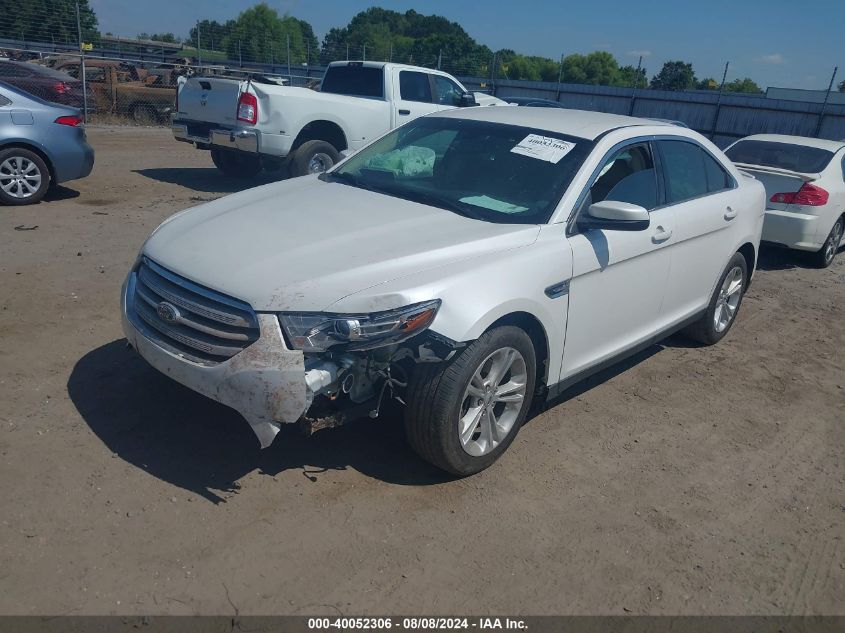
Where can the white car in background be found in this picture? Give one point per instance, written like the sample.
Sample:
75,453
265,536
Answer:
805,187
463,263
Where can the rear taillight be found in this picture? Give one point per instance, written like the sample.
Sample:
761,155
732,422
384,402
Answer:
61,88
808,195
248,108
71,120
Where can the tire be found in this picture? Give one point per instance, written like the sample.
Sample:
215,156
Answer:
707,330
313,157
440,406
236,164
143,114
827,253
24,177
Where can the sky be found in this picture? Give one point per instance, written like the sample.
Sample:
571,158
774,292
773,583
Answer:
779,43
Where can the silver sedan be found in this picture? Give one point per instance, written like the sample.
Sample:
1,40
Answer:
41,144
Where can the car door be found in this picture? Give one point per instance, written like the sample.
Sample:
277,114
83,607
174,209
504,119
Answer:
619,277
702,193
448,92
414,96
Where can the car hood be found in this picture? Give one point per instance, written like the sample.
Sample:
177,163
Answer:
304,244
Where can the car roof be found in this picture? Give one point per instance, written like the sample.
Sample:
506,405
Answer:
582,123
821,143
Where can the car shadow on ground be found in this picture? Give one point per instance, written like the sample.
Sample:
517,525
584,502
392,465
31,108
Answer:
202,446
778,258
58,192
207,179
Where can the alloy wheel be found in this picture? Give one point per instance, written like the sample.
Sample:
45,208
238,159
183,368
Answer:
20,177
728,299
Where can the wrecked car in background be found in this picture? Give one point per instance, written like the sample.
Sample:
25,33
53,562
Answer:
461,264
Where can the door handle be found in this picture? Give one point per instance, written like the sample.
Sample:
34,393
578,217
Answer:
662,235
730,214
404,112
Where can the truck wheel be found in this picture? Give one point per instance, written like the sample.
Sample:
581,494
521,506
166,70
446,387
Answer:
724,304
24,178
144,114
461,416
825,255
236,164
313,157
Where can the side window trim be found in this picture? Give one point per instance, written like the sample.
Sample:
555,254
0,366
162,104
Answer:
572,222
658,142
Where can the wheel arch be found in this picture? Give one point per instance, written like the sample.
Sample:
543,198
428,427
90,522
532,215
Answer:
36,149
532,326
748,251
321,130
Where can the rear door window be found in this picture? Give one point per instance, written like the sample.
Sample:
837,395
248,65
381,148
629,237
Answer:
414,86
787,156
690,171
354,80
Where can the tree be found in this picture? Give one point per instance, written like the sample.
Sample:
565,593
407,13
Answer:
599,68
708,83
745,85
47,21
675,75
168,38
259,34
630,77
211,34
842,86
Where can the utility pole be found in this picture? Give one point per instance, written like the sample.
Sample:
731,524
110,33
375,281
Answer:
826,99
82,65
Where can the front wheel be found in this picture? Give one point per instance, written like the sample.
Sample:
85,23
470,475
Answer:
824,257
724,304
461,416
236,164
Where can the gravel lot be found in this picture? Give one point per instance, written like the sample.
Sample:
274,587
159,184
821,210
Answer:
686,481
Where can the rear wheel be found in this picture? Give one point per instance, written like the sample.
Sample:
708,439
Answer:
724,304
313,157
144,114
461,416
825,256
236,164
24,177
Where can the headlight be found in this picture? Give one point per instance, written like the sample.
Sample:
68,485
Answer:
317,332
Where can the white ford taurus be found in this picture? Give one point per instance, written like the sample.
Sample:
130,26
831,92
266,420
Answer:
463,264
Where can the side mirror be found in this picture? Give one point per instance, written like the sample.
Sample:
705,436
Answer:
613,215
346,153
466,100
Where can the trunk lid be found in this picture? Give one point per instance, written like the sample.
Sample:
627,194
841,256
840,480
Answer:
210,100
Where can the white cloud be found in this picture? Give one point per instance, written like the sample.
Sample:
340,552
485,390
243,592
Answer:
639,53
774,58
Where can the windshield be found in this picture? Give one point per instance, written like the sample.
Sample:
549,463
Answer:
488,171
800,158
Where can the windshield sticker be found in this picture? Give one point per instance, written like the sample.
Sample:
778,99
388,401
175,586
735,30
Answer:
543,148
486,202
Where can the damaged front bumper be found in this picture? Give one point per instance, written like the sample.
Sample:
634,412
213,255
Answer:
265,382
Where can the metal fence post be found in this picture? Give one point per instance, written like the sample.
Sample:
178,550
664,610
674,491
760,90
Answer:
636,85
719,103
493,74
82,66
826,98
290,77
199,47
559,78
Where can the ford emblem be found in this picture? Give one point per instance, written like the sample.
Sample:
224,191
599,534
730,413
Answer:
167,312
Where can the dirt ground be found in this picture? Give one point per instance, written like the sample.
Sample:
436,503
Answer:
686,481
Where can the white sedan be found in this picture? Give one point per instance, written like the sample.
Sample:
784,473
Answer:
464,264
805,187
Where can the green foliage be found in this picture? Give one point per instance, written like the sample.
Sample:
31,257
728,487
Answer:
630,77
211,34
708,83
745,85
675,75
47,21
408,37
168,38
260,34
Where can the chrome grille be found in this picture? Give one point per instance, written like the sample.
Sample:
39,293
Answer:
204,325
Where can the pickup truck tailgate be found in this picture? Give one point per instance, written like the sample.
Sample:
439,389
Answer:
210,100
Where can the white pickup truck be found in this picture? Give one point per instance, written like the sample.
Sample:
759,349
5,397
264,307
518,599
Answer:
253,124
